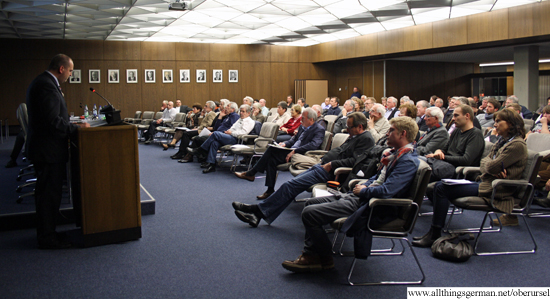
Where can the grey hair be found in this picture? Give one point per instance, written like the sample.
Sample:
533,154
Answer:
311,114
246,107
317,108
257,105
211,104
379,108
424,103
224,102
165,102
439,100
436,112
233,106
405,98
514,99
392,99
352,103
249,98
464,100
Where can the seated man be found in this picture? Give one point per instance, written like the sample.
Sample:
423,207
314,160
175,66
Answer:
226,118
486,119
345,155
241,127
333,109
309,137
341,121
421,107
320,118
169,114
436,136
398,170
281,117
378,125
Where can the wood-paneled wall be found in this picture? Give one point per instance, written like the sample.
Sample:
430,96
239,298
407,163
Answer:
530,20
264,72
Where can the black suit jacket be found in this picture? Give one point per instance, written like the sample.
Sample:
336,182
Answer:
346,154
311,141
49,126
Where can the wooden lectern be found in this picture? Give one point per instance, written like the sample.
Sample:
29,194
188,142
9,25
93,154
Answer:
105,184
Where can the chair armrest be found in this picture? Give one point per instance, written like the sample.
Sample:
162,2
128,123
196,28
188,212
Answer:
264,139
503,182
402,202
471,171
316,152
394,202
247,137
146,121
341,170
352,183
544,153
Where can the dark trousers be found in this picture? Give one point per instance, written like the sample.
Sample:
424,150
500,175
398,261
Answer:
442,195
185,140
18,146
151,131
321,211
272,157
47,193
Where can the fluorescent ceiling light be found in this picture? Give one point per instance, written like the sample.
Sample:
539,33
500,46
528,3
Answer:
509,63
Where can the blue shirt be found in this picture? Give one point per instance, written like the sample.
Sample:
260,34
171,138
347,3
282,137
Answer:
227,122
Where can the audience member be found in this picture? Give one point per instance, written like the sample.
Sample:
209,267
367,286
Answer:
302,103
377,125
439,104
320,118
288,130
333,109
248,100
421,107
257,113
281,117
169,114
436,136
265,110
326,104
289,101
342,120
392,110
355,93
527,114
486,120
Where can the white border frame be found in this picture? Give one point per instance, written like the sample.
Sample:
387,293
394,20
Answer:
229,76
128,76
98,76
214,76
171,76
117,72
79,77
197,74
154,76
188,76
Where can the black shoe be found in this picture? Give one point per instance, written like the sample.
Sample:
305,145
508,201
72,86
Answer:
211,168
428,239
176,157
11,163
249,218
205,164
192,151
265,195
188,158
57,243
239,206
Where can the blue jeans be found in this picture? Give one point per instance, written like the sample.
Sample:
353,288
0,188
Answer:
442,196
213,142
275,204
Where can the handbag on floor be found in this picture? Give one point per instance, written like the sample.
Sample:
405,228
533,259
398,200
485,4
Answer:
453,248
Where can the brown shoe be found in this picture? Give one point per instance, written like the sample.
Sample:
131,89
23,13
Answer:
506,220
309,263
264,196
242,175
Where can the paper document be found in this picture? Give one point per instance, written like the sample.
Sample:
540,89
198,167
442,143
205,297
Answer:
204,132
183,128
456,182
239,146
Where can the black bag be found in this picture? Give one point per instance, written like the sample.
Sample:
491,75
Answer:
453,248
440,169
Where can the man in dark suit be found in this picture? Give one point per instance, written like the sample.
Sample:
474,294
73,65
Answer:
48,136
309,137
345,155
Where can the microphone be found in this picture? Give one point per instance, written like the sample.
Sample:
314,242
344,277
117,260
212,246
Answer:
93,90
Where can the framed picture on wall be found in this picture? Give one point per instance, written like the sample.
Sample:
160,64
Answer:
131,76
149,76
94,76
75,77
114,76
201,76
233,76
217,76
167,76
184,76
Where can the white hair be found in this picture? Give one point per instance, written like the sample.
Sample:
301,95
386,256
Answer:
436,112
379,108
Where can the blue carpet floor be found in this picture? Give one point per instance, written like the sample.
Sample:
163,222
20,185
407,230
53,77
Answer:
195,247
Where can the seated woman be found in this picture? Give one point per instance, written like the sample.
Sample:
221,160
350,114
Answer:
506,160
257,113
185,136
291,127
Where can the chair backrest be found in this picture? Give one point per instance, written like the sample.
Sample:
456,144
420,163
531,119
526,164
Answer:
23,117
180,117
273,111
487,149
331,118
270,118
338,140
529,122
137,114
325,145
158,115
148,115
529,174
330,125
269,130
538,142
416,194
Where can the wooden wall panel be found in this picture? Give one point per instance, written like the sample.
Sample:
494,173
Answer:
152,94
256,79
450,32
158,51
304,54
224,90
260,53
326,51
486,27
520,21
192,52
80,93
284,54
391,41
378,71
345,48
117,50
282,80
541,23
222,52
418,37
124,96
366,45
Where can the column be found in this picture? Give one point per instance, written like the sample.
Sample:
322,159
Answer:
526,76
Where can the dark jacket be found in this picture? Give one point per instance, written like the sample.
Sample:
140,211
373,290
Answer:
311,141
226,123
432,140
49,126
346,154
333,111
